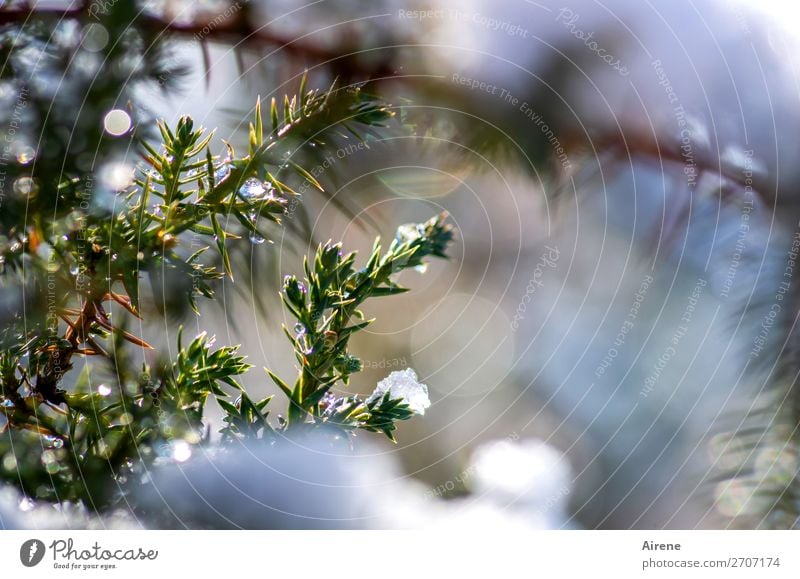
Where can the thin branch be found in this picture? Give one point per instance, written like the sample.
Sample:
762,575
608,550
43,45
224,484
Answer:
236,29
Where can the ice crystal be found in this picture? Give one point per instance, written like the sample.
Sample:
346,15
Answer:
404,384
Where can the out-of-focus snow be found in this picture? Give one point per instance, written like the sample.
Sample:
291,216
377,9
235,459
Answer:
309,484
295,484
19,512
9,510
522,485
527,472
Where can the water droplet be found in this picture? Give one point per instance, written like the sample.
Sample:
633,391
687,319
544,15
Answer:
117,122
256,238
299,328
181,451
222,171
95,37
10,462
104,390
252,190
74,269
24,186
25,504
421,268
7,403
26,154
54,441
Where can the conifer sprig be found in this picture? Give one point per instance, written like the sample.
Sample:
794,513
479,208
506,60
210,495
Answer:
89,437
326,306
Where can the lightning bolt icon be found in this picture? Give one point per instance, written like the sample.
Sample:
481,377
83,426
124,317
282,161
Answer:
32,553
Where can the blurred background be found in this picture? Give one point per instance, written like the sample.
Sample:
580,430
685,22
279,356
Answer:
623,177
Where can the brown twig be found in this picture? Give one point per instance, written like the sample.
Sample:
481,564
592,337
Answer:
237,29
60,360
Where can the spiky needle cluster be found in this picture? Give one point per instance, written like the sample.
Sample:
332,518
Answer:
84,436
